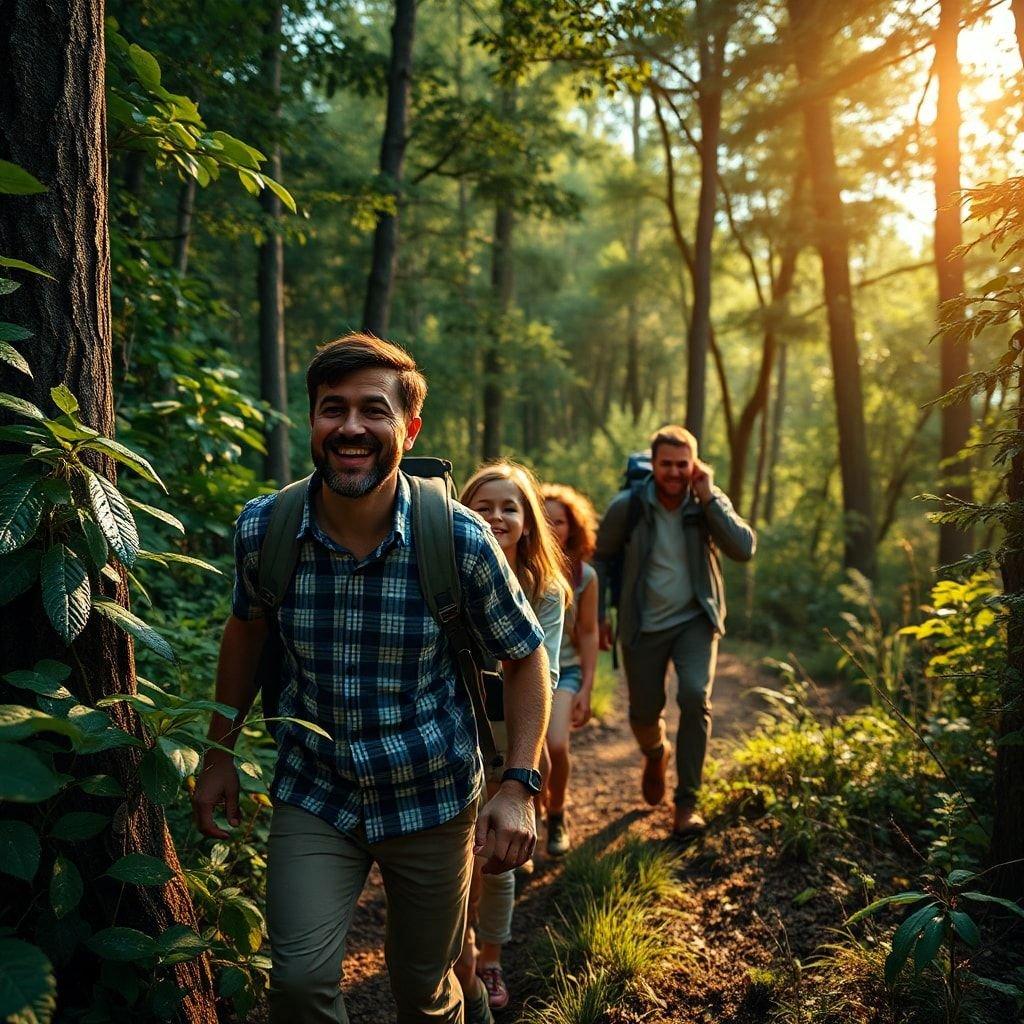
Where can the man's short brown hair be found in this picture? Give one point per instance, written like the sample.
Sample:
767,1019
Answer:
674,435
336,359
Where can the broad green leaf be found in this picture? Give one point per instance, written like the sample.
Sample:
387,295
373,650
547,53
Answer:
98,731
253,182
44,678
135,626
113,517
8,261
158,776
140,869
12,357
903,940
66,887
1002,987
242,922
101,785
157,513
179,943
124,455
95,542
240,152
311,726
55,491
20,406
984,897
184,758
27,433
173,556
18,571
930,941
17,722
13,332
281,192
66,428
28,988
19,850
16,181
21,508
122,944
78,825
66,591
64,399
965,928
232,981
146,66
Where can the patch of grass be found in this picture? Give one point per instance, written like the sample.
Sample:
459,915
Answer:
582,998
637,868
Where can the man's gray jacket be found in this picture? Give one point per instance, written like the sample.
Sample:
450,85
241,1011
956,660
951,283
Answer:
707,529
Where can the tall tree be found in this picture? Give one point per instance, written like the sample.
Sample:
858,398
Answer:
954,542
633,311
380,286
808,21
713,20
52,123
270,274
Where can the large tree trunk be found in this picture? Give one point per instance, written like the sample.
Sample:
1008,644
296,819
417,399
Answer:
709,104
776,439
52,116
633,396
502,285
1008,822
380,285
806,19
270,279
954,542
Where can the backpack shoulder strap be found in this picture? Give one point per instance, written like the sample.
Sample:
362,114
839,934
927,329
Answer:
280,550
636,509
434,535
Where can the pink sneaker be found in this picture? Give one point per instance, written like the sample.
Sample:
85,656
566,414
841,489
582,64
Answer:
494,981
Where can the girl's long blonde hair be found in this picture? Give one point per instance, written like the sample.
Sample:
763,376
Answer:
540,561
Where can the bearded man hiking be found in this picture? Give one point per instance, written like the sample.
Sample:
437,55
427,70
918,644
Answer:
658,543
365,660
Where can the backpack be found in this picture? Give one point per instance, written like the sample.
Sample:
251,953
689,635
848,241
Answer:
634,479
432,491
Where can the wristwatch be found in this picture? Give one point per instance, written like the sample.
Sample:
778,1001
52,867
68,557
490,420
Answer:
527,776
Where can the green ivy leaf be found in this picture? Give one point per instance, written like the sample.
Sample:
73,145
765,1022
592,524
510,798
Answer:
122,944
66,887
159,778
19,850
13,332
158,513
75,826
12,357
113,517
127,457
28,988
18,571
140,869
135,626
21,508
16,181
66,591
21,407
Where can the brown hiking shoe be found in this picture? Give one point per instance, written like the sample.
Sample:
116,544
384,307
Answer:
652,782
688,822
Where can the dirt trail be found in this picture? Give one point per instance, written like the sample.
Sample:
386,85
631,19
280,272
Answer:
607,802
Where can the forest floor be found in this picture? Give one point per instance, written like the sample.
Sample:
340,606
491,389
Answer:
740,908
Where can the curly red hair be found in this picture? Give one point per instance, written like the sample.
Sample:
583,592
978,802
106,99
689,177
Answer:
579,547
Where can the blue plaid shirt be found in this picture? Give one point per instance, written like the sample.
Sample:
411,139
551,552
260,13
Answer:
365,661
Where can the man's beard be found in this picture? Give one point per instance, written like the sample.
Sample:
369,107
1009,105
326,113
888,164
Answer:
356,484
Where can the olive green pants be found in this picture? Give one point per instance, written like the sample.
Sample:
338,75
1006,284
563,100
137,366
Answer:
693,650
314,877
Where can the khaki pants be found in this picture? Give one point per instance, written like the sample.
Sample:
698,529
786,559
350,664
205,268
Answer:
314,877
693,650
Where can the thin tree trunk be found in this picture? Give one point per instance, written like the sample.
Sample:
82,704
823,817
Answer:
806,19
1018,24
900,474
380,286
1008,821
776,443
709,104
954,542
762,459
183,225
270,278
52,123
502,284
633,312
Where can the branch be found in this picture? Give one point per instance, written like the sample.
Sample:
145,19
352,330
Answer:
868,281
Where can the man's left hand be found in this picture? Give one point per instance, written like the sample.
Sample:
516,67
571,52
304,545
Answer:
703,480
506,830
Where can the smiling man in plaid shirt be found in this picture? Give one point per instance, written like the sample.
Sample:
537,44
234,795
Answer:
397,782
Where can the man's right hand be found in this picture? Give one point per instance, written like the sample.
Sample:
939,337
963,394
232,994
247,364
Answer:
605,635
216,786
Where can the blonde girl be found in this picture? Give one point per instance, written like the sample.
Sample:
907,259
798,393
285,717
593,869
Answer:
507,496
574,524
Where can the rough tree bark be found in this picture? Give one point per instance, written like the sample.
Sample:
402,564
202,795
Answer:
380,285
270,277
633,396
807,21
712,32
52,122
954,542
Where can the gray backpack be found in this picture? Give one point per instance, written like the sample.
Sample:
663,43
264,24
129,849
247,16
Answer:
433,493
